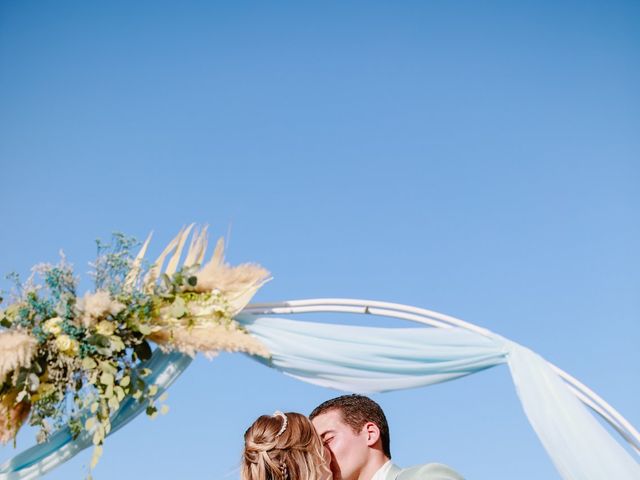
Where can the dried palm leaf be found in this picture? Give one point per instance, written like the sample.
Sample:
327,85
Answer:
16,350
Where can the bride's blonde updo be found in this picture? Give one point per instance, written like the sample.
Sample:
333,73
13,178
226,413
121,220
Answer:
283,447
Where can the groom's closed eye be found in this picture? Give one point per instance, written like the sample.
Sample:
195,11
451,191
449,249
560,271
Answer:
327,437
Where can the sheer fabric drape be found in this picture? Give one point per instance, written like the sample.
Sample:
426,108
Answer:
368,359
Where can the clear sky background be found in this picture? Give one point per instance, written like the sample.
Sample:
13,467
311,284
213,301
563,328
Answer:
481,159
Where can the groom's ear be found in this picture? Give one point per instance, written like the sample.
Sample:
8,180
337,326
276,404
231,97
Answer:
373,433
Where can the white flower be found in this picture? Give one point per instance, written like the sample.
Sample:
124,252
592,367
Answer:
105,328
53,326
67,345
96,305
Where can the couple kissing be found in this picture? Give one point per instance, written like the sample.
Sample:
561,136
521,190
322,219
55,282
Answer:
346,438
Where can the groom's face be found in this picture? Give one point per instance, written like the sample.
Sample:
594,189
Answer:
349,449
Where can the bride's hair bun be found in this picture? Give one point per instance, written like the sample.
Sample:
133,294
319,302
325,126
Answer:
283,447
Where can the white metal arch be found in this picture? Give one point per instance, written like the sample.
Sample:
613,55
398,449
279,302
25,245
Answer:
439,320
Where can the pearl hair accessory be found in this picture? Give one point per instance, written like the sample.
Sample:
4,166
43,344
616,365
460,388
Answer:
285,422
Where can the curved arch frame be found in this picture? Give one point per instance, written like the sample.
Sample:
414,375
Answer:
439,320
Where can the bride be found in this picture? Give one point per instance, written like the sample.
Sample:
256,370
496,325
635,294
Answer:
284,446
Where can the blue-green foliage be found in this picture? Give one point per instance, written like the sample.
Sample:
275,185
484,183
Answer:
114,262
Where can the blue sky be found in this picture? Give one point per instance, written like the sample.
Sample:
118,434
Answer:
480,159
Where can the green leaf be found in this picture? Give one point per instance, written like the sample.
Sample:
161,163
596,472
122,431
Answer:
178,308
117,344
144,329
106,378
22,378
97,453
76,428
89,424
89,363
107,367
119,393
99,340
98,437
113,404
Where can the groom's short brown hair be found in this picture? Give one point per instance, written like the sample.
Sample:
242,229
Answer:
357,410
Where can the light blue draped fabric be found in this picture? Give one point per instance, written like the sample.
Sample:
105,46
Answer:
365,359
578,445
40,459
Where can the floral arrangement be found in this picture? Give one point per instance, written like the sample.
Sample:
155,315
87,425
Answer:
62,355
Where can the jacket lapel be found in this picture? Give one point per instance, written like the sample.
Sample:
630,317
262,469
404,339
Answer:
393,472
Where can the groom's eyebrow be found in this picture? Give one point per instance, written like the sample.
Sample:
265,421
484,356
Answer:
325,433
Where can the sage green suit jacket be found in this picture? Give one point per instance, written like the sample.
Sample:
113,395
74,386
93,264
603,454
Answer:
430,471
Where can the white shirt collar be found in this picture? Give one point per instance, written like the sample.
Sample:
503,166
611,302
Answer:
382,471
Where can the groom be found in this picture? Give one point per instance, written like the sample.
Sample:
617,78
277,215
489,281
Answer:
355,430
